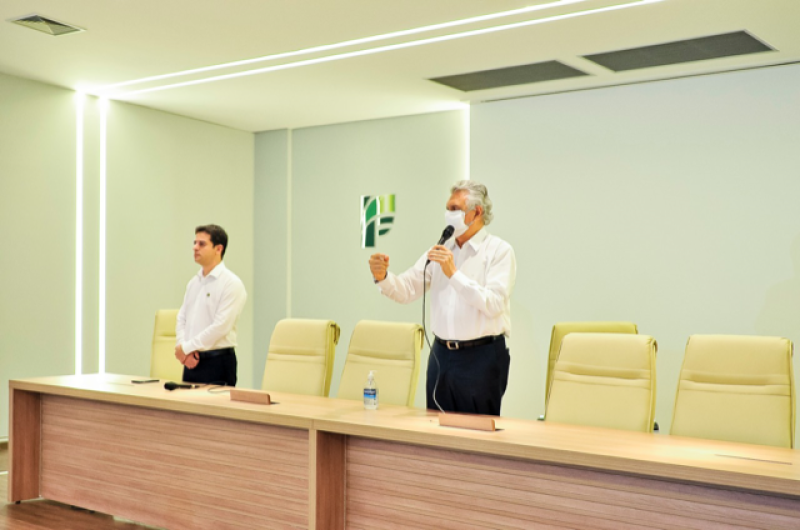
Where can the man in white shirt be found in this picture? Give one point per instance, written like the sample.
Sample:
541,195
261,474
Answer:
206,329
470,279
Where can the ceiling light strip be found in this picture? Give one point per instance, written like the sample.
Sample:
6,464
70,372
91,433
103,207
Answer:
390,47
344,44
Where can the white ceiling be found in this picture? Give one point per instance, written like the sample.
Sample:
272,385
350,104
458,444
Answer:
132,39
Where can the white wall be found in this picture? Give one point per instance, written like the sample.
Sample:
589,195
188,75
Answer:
37,213
672,204
166,175
417,158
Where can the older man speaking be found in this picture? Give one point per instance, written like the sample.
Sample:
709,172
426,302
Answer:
470,280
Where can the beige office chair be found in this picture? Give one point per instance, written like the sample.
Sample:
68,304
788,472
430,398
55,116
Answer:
562,329
736,388
392,350
300,357
605,380
163,364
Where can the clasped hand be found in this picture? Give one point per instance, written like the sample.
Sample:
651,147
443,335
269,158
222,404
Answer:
189,361
444,257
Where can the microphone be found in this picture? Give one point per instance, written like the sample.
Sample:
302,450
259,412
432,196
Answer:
446,233
172,385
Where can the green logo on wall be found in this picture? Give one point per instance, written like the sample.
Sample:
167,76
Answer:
377,217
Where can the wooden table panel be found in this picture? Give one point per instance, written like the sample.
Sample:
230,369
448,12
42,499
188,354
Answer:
412,484
24,444
328,475
187,492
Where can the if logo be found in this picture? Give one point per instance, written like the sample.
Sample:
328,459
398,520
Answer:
377,216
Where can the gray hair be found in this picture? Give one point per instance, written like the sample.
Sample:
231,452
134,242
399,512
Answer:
477,195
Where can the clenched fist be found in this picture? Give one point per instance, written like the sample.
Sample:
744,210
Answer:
378,265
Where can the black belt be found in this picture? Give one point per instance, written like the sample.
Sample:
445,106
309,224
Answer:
215,353
464,344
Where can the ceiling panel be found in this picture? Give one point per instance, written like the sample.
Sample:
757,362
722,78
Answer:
128,39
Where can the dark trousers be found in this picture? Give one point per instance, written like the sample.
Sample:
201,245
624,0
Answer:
219,369
471,380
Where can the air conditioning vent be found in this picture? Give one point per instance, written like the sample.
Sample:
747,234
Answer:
46,25
510,76
683,51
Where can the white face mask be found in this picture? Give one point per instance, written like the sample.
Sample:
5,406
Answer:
456,220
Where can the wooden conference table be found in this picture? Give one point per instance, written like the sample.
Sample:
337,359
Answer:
190,459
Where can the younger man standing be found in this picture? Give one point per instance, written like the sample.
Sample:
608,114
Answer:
206,329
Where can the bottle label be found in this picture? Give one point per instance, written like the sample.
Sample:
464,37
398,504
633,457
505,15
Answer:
370,393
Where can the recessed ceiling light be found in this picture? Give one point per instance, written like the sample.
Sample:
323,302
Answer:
46,25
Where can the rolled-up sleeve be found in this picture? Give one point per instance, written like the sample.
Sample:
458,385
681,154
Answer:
406,287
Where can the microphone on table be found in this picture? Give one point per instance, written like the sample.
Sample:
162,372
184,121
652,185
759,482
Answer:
446,234
172,385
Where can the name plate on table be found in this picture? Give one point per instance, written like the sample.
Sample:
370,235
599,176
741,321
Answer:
250,396
465,421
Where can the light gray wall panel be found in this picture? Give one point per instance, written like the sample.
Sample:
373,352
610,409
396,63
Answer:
37,212
271,241
672,204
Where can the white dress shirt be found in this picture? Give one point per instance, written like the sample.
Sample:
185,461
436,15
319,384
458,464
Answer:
211,306
475,301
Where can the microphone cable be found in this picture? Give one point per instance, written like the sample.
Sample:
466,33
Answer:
446,234
218,387
425,332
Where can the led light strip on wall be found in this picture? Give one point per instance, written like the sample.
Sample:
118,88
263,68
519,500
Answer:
80,102
467,143
101,345
80,108
289,179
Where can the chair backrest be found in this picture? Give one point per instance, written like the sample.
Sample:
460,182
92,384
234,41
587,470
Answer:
562,329
300,357
736,388
605,380
392,350
163,364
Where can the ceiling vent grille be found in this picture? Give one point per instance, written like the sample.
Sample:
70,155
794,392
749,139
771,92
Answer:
513,75
46,25
684,51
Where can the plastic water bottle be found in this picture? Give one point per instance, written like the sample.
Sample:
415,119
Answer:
371,392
